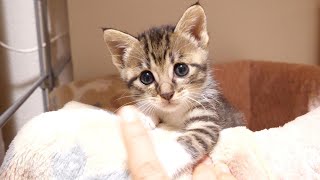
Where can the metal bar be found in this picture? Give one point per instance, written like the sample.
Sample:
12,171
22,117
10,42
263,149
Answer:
46,80
44,52
47,48
5,116
61,66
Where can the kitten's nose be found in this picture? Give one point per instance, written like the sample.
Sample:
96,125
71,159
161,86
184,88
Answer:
167,96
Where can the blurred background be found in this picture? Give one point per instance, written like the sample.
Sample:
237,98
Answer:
285,30
269,30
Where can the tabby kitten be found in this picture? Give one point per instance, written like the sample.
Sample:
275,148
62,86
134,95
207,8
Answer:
168,73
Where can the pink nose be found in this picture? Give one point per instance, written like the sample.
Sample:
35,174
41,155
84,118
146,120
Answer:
167,96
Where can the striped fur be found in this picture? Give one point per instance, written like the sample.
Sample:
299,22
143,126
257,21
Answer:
197,110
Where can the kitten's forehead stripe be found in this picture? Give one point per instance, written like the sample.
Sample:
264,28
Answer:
167,39
171,58
148,44
145,42
165,54
154,56
156,43
148,63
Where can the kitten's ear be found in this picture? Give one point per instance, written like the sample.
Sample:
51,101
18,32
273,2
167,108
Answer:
118,44
194,23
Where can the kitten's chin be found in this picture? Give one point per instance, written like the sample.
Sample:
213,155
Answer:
168,106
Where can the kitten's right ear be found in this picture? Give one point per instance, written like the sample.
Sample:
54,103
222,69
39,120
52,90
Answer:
118,44
194,24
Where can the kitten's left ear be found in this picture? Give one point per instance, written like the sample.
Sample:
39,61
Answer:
194,23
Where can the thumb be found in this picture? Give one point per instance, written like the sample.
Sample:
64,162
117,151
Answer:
142,160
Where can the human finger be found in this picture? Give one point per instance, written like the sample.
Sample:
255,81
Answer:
142,160
222,172
204,170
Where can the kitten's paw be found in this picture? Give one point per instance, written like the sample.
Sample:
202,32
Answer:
147,121
131,113
174,159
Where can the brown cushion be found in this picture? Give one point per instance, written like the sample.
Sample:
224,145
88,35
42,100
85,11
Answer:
105,92
269,93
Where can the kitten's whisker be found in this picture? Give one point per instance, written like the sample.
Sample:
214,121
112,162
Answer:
188,53
135,101
127,91
152,109
148,109
204,108
186,97
197,102
141,105
199,95
204,98
129,96
128,103
186,102
196,89
144,106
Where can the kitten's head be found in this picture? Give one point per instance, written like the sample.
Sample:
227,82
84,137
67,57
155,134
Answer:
164,67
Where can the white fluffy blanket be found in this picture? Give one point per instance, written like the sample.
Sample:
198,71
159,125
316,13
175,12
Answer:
81,142
288,152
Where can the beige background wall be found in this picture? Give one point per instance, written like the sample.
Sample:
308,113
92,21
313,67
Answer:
277,30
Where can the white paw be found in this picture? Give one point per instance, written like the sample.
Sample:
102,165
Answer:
173,157
131,114
147,121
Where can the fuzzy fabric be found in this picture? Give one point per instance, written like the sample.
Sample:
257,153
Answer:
288,152
75,142
83,142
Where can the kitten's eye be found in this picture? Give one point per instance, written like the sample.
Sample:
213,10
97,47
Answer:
181,69
146,77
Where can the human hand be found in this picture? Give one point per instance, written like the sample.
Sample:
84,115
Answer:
142,160
207,170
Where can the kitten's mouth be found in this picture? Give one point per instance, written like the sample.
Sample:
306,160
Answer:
170,103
